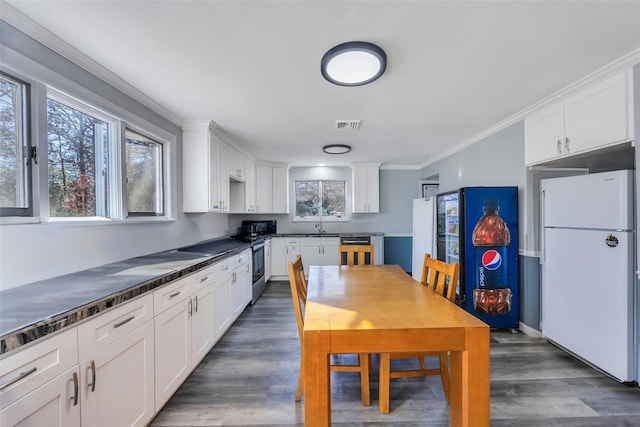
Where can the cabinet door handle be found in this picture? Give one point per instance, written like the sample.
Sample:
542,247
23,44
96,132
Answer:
127,320
190,305
566,144
74,398
19,377
195,304
559,146
92,384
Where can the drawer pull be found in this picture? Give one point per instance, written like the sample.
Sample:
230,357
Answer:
19,377
75,389
225,268
175,294
92,384
127,320
204,279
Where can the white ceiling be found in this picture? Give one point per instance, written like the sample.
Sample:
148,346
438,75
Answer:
455,69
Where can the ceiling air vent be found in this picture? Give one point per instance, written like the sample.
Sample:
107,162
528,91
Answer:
347,124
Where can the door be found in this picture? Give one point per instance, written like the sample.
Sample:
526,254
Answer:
118,390
587,297
423,234
51,404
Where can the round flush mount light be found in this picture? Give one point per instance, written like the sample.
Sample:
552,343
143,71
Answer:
353,64
336,149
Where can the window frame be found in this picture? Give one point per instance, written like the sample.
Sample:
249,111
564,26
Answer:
25,155
321,217
161,173
42,82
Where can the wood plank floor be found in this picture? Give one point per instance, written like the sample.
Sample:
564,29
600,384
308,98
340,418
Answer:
250,377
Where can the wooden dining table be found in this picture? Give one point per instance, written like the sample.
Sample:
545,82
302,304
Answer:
379,309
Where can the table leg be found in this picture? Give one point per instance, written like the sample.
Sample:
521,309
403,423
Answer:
317,390
470,381
383,383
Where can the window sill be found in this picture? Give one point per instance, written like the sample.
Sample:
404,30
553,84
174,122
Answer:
318,219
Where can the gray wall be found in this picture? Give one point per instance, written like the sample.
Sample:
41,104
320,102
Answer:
32,252
497,160
397,190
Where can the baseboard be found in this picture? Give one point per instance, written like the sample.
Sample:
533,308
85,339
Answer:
528,330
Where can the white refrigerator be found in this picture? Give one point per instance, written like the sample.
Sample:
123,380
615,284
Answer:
587,269
424,233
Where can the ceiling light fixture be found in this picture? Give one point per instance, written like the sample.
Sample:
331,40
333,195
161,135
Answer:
336,149
353,64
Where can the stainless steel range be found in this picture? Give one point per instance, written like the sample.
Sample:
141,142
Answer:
255,232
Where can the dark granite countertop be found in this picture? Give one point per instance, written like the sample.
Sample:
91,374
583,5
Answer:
325,234
37,309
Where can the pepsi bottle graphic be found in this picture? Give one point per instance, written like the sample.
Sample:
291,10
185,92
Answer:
491,239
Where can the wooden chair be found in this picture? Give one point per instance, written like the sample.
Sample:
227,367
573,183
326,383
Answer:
299,295
441,278
355,254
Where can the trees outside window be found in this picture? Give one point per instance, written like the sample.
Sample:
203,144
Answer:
78,162
320,199
15,160
143,162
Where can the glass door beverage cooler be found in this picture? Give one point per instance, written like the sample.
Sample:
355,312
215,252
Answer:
478,227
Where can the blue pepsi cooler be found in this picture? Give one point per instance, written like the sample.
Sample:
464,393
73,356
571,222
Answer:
488,251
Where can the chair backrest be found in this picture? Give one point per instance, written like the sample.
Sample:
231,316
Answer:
298,291
355,254
440,276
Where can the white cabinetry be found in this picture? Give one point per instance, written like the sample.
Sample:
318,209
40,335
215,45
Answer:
204,169
280,189
222,284
264,188
378,249
41,384
283,251
272,188
595,117
117,366
366,188
319,250
278,251
250,187
240,293
267,260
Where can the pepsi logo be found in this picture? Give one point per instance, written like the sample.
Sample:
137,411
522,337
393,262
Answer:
491,259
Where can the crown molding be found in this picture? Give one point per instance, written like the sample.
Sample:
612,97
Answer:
17,19
621,64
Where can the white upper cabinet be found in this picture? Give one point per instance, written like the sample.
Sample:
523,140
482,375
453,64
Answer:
366,188
205,178
596,117
272,188
280,189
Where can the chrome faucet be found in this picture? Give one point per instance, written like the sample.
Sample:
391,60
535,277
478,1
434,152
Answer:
320,228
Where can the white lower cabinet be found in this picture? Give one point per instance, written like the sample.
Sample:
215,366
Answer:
319,250
184,331
240,292
41,383
117,383
117,366
54,404
120,367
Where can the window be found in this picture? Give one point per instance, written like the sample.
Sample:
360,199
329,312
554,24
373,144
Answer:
320,200
15,156
78,167
143,162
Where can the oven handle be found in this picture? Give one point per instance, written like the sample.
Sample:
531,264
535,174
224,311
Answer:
258,245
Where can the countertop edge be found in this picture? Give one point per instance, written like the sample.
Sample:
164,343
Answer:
40,328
